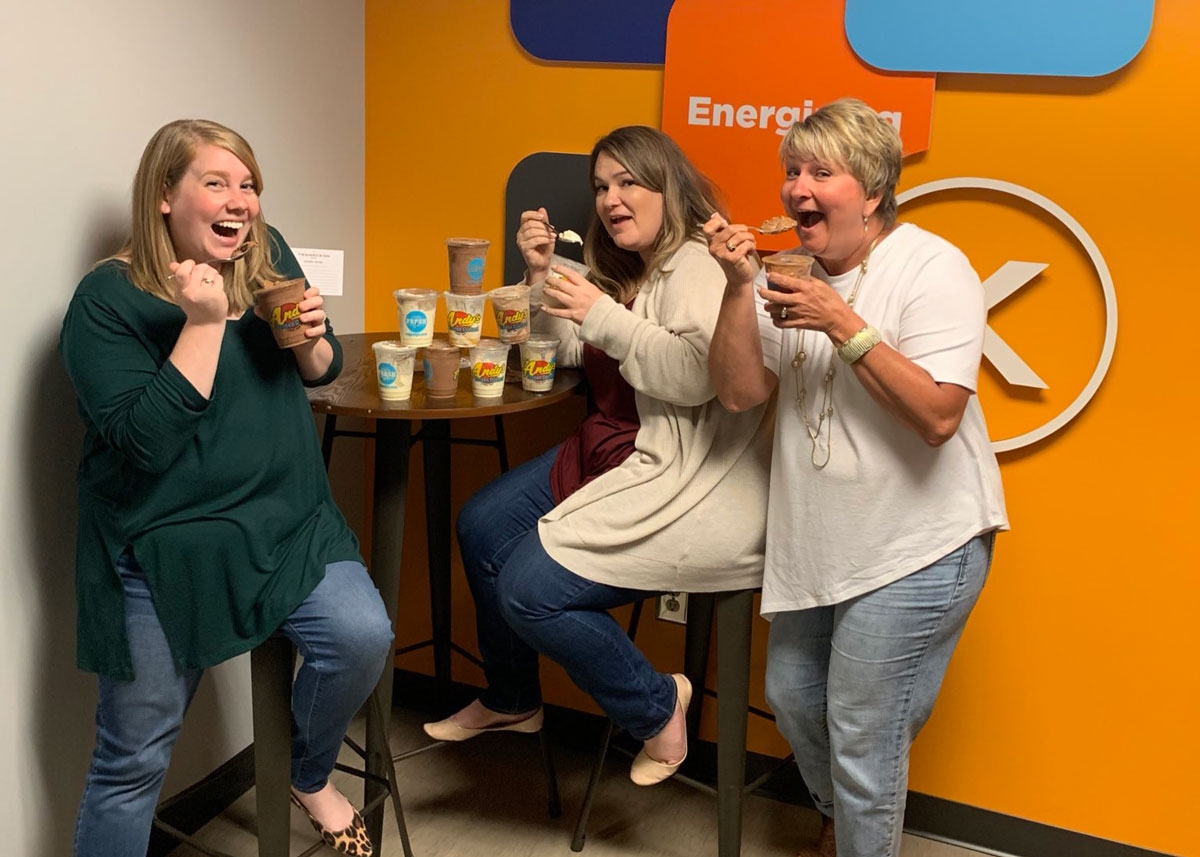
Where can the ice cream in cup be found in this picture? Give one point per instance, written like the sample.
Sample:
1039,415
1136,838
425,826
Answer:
394,364
467,256
537,363
416,308
279,304
464,319
788,264
511,306
441,369
489,361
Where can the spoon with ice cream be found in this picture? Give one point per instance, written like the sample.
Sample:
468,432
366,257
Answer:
241,251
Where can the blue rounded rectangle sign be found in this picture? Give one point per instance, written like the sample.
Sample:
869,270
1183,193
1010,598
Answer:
1075,38
614,31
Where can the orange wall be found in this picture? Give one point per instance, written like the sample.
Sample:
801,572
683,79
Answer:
1071,699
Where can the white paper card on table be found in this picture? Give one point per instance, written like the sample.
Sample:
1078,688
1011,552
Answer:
322,268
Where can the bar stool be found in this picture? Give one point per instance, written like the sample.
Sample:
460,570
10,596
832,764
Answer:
734,615
271,668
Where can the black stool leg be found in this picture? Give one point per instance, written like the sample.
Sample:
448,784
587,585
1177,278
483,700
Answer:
696,646
381,722
271,665
553,805
585,808
735,612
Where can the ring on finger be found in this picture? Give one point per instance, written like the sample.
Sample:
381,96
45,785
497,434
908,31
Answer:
208,280
783,314
730,246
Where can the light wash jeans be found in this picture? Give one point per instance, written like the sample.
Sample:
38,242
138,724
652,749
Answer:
526,603
853,683
342,632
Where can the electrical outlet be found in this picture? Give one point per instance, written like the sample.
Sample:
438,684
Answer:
672,607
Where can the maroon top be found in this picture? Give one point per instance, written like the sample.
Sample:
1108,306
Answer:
605,437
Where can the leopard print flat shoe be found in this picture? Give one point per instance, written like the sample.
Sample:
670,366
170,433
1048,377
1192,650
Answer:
351,840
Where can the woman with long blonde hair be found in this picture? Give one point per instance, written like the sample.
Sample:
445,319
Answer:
206,523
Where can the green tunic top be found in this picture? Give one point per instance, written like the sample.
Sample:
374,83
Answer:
224,501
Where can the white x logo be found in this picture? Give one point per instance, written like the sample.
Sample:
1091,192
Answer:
1014,275
1010,277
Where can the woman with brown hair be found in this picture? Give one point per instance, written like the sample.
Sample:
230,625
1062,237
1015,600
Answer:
637,501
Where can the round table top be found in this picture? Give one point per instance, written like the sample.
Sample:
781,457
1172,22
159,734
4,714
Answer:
355,392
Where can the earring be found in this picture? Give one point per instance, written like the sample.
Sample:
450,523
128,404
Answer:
866,223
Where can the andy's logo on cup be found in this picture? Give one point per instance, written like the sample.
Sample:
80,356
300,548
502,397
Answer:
539,368
286,316
462,322
510,318
488,371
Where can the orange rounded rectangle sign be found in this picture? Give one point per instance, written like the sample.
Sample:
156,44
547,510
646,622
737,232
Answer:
738,75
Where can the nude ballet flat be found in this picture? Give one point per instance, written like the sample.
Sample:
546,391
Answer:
646,771
448,730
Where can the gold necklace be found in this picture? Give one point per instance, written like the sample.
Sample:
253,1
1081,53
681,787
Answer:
824,416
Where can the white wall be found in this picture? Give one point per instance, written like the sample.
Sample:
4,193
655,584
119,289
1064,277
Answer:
84,85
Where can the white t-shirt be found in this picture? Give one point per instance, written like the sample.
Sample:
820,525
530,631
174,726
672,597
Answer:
886,504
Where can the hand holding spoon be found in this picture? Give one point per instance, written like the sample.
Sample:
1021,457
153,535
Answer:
237,254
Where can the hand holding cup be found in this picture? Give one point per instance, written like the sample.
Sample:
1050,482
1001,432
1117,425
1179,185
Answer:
281,306
573,294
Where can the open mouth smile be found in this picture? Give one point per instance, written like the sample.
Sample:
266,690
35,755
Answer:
228,228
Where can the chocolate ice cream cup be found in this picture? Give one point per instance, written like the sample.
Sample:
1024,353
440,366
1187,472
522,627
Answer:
467,257
441,370
279,303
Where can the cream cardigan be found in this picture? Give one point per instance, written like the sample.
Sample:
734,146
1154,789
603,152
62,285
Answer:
687,510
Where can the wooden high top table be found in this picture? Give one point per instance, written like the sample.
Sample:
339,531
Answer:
355,393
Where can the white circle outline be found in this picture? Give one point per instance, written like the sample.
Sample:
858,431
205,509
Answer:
1106,286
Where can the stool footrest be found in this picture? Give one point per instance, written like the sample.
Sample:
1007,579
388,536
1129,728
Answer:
176,833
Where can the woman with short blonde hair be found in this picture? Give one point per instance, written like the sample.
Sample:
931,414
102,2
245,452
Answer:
885,494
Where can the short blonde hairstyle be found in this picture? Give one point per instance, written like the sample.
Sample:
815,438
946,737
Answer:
849,134
149,249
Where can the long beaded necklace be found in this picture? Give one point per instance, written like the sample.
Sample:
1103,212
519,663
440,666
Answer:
824,415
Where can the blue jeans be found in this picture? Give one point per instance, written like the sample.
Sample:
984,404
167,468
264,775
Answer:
344,636
526,603
853,683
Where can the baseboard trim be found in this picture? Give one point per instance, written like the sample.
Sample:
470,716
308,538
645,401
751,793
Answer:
198,804
1004,835
935,818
